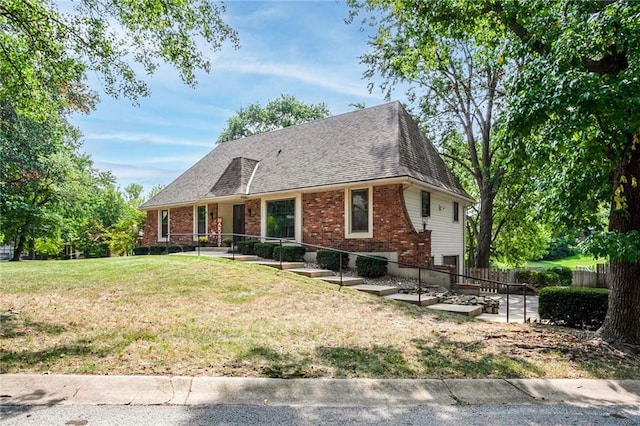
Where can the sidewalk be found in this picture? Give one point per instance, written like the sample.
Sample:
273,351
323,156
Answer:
31,389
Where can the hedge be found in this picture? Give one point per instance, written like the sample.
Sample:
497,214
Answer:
371,267
246,247
329,259
577,307
141,250
564,274
265,250
289,253
157,249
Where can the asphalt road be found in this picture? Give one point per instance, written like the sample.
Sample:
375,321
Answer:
98,415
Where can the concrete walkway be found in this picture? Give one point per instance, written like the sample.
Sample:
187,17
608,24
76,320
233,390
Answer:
31,389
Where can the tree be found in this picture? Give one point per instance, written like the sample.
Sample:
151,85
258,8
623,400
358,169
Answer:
46,51
283,112
576,93
459,88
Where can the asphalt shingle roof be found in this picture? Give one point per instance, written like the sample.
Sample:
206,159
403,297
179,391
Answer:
368,144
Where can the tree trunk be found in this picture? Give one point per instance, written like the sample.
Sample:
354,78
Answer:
622,323
17,249
485,232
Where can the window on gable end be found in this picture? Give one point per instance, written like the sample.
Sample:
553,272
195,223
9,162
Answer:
456,211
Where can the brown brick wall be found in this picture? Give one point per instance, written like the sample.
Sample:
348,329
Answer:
150,236
323,224
252,223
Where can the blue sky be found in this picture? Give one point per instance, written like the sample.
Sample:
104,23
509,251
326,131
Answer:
301,48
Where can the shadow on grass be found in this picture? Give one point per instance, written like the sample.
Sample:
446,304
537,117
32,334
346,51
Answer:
445,358
377,361
12,327
273,364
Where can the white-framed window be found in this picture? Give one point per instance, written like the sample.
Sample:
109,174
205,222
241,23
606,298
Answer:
426,203
163,225
282,217
456,211
358,213
199,222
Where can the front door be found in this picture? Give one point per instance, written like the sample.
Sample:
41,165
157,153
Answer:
238,221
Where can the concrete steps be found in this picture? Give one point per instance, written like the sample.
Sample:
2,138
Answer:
413,299
312,273
357,283
277,264
346,281
379,290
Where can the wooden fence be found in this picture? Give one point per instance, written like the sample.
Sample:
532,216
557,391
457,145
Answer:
582,277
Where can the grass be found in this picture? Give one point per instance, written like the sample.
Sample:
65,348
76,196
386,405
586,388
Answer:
572,262
183,315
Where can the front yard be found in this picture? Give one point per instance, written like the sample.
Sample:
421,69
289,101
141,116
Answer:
183,315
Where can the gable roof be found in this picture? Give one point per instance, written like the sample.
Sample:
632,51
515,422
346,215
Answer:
368,144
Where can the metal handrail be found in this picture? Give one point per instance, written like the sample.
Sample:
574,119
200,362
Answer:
280,241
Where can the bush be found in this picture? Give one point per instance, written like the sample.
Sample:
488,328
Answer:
560,248
174,249
564,274
371,267
264,250
188,247
576,307
289,253
157,249
538,279
141,250
246,247
329,259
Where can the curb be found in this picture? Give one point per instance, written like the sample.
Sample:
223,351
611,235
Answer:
32,389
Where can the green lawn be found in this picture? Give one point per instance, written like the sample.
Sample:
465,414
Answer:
569,262
187,315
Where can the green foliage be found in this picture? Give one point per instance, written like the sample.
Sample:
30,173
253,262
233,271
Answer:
538,279
48,51
616,245
559,248
141,250
283,112
247,247
157,249
264,250
329,259
371,267
565,275
289,253
574,306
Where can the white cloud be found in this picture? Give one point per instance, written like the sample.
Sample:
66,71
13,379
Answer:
147,138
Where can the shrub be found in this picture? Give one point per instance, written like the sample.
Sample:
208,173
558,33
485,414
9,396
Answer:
371,267
538,279
329,259
188,247
576,307
157,249
246,247
141,250
289,253
564,274
264,250
174,249
560,248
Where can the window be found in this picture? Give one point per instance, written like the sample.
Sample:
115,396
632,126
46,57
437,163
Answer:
201,224
281,219
456,213
426,204
360,210
164,224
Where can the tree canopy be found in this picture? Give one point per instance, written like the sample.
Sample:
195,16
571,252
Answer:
282,112
573,108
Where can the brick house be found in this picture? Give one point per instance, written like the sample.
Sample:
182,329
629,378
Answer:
366,181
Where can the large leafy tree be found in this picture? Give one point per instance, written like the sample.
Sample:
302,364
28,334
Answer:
282,112
577,90
46,51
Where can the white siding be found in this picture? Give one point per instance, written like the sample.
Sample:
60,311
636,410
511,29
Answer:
447,236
